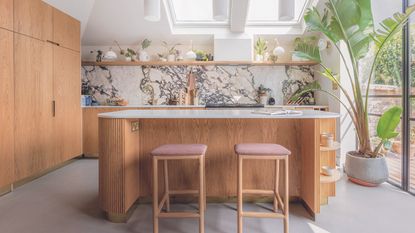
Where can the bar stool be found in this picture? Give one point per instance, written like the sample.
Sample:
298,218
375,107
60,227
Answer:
178,152
273,152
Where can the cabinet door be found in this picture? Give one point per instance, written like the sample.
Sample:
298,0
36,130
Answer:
6,14
66,30
34,146
33,18
6,108
67,92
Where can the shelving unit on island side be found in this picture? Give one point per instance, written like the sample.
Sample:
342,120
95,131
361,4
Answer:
328,158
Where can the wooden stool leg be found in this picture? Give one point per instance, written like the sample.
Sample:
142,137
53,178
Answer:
201,195
204,182
240,197
155,196
276,186
287,198
166,185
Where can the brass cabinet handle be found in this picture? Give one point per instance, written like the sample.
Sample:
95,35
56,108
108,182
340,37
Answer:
53,108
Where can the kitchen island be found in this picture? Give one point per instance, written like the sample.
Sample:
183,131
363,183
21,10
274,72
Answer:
126,139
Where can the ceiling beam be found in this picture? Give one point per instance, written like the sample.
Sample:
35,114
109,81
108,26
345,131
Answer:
239,15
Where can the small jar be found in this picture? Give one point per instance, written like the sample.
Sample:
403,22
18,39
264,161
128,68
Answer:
327,139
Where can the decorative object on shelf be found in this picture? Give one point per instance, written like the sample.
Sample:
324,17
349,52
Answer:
203,56
326,140
190,55
323,44
142,54
328,171
110,55
173,100
152,10
130,55
179,56
220,10
271,101
117,102
171,51
261,47
367,165
276,52
263,94
98,57
86,100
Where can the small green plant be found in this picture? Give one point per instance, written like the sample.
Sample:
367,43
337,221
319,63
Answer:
145,44
300,41
171,49
262,90
130,53
387,125
261,46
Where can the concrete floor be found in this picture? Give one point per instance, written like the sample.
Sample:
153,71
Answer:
65,201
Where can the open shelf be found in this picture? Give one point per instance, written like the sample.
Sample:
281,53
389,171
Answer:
198,63
331,179
336,146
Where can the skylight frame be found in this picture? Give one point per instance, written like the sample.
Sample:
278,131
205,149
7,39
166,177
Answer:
194,23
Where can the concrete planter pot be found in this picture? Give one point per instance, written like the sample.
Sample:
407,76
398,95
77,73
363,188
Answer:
369,172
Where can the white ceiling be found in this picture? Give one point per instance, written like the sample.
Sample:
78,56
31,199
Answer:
104,21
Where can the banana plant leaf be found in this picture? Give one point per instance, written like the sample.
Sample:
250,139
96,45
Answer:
388,123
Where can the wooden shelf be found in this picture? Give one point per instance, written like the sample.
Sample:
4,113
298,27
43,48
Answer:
198,63
335,147
331,179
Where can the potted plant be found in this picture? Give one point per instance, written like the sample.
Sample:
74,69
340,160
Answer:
263,94
298,42
171,51
261,47
130,54
351,22
142,54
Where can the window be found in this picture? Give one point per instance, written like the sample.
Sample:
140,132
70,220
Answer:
193,11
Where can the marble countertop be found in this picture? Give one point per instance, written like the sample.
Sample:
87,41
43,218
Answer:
199,106
212,114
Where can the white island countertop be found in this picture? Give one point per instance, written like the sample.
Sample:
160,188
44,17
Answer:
213,114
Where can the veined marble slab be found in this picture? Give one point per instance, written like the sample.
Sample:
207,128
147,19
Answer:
212,114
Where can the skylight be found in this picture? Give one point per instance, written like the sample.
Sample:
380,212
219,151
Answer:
267,11
193,11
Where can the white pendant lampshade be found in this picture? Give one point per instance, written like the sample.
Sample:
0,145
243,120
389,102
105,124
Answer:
152,10
286,10
220,9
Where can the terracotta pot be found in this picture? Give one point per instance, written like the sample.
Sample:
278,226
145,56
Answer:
369,172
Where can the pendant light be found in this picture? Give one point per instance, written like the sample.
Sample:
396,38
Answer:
220,9
286,10
152,10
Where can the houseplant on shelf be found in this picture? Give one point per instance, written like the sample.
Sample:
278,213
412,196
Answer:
351,22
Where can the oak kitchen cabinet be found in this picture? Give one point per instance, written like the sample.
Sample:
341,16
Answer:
6,108
33,18
6,14
47,88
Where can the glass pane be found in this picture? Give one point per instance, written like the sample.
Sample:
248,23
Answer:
268,10
193,10
393,153
412,158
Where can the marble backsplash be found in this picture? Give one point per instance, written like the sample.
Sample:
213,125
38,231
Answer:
141,85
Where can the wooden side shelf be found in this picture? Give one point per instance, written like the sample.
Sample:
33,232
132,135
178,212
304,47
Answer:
198,63
331,179
335,147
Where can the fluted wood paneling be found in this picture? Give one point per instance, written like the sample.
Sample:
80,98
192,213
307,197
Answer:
328,158
121,151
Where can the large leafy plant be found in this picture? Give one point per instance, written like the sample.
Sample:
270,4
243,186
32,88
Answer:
351,22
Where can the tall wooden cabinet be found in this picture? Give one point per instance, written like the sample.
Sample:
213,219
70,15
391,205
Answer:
47,109
6,14
67,96
6,108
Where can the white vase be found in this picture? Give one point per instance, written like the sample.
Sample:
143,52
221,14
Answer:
128,59
143,56
259,57
171,57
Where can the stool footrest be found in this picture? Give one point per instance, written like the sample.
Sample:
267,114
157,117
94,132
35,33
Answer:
183,192
262,215
258,191
179,215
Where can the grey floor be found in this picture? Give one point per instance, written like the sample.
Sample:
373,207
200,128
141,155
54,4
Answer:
66,201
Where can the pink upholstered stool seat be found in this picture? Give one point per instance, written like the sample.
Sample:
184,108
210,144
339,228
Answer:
261,149
180,150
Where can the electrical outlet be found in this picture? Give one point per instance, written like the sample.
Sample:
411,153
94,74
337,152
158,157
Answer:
135,126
